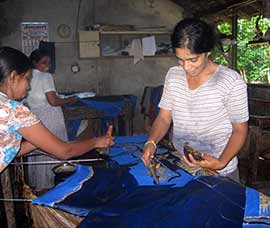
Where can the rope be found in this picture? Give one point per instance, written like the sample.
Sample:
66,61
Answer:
56,162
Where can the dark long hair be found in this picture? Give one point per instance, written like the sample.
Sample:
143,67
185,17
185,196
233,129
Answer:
37,55
194,34
12,60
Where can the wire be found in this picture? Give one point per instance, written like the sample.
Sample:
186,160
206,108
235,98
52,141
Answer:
56,162
15,200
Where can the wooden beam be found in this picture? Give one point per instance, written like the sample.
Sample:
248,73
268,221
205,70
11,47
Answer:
224,7
8,194
234,46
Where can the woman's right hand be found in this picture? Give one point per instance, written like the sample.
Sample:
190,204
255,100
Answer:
104,141
148,153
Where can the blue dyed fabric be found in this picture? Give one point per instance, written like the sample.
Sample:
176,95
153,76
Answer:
203,202
124,195
113,197
72,126
111,110
257,213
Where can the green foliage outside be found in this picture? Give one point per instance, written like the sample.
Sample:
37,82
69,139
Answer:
253,62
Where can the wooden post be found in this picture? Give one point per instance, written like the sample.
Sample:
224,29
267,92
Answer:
8,194
254,152
234,46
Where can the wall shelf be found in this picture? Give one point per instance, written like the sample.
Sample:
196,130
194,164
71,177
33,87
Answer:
95,44
142,32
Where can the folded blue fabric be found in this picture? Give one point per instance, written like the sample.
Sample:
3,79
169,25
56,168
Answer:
110,109
257,211
72,127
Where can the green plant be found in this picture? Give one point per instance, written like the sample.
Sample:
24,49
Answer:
252,61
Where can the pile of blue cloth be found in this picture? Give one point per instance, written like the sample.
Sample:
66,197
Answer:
124,195
111,110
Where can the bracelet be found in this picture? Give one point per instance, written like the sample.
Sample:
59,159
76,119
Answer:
151,142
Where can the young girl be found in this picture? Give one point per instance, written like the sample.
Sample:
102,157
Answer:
17,121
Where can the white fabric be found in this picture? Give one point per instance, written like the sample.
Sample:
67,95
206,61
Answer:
203,117
136,50
40,84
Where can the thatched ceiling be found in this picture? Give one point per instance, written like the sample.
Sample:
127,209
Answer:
221,10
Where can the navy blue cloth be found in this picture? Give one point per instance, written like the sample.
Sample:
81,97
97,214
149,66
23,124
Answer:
72,128
126,196
155,99
204,202
111,110
105,185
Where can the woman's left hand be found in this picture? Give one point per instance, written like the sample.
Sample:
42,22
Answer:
208,162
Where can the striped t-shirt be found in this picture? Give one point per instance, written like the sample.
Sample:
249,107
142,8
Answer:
202,117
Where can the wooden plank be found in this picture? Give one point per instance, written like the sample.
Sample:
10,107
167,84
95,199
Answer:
142,32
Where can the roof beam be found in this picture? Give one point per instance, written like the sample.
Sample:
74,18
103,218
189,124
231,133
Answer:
224,7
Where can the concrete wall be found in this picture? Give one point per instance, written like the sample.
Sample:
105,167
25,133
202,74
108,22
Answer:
102,75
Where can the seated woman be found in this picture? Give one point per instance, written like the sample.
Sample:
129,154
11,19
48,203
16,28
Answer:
17,121
43,101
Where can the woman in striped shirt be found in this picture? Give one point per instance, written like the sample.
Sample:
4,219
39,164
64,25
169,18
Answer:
206,102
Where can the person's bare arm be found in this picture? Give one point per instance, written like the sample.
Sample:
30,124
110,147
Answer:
42,138
26,147
158,130
233,147
54,100
235,143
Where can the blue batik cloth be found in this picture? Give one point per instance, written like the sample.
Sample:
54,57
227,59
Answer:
106,183
257,213
125,196
212,202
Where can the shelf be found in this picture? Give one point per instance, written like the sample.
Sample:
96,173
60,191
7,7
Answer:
131,57
135,32
95,44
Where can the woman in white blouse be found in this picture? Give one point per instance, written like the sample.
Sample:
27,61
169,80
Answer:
43,101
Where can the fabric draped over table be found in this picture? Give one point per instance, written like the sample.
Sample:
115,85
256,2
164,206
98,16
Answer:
111,109
124,195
